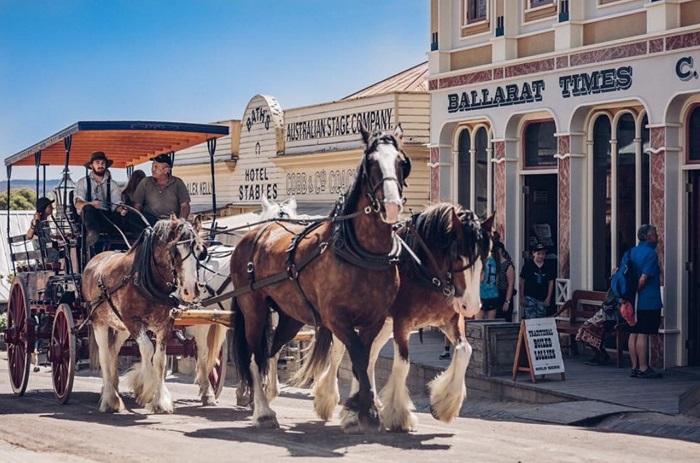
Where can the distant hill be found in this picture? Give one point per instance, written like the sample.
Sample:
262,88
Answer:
19,183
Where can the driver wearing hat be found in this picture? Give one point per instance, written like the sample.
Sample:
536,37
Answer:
162,194
96,198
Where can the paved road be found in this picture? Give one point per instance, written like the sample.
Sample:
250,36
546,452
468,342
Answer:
34,428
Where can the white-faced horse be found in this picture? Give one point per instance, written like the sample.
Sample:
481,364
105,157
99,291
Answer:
213,277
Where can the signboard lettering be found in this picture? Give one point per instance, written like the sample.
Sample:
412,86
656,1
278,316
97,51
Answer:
335,126
199,188
685,69
543,343
587,83
507,95
258,114
319,182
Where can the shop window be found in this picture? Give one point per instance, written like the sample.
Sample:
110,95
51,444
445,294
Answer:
694,135
476,10
540,144
626,197
536,3
481,170
646,172
601,203
464,169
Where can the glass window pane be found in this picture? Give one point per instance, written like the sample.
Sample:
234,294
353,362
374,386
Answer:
481,173
694,135
540,144
626,200
463,169
601,203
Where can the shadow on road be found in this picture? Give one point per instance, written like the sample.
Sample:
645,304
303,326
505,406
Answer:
317,439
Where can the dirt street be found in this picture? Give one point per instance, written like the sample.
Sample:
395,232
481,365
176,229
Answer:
34,428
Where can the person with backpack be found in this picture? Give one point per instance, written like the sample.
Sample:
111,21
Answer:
647,275
489,289
96,197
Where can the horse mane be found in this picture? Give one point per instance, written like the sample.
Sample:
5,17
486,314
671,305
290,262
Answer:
435,226
144,258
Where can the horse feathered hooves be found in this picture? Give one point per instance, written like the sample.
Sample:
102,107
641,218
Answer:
448,390
316,359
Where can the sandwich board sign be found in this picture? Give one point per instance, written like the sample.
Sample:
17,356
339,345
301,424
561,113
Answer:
538,351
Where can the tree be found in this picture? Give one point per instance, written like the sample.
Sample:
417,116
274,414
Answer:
21,199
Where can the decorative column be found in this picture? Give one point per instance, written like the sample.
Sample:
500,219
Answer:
564,213
499,178
434,168
657,141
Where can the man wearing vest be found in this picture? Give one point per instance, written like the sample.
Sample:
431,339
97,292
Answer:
96,197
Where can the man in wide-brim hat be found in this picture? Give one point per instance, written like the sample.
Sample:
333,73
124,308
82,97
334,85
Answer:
96,197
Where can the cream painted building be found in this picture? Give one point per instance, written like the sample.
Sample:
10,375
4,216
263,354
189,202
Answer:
575,122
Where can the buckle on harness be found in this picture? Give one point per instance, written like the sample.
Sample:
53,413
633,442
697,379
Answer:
323,247
448,291
437,282
292,272
250,268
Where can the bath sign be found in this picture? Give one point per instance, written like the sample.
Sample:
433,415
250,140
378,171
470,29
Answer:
538,351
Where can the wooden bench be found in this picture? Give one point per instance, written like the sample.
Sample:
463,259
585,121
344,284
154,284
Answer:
582,306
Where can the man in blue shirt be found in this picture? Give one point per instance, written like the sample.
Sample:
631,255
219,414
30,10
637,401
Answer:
645,263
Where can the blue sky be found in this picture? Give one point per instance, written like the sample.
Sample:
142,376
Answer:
193,61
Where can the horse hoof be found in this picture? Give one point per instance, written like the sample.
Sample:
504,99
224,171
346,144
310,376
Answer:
267,422
209,400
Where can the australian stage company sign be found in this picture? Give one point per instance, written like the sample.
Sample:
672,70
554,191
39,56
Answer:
338,125
503,95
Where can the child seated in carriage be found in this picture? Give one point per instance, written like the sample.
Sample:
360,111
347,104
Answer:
40,228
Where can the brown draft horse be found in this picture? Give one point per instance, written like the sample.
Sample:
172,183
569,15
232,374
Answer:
451,245
130,294
348,299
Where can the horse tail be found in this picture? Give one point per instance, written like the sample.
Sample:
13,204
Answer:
315,360
241,352
215,339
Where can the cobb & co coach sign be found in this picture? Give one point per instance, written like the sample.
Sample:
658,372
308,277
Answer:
319,182
256,175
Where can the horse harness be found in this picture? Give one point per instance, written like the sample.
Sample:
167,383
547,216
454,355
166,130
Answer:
444,284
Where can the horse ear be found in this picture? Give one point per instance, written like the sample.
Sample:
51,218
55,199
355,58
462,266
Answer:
265,202
197,223
487,224
398,132
291,203
365,134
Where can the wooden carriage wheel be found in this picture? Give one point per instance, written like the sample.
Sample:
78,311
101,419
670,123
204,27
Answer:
19,337
217,377
62,353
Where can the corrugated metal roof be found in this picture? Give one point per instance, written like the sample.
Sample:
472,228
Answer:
19,224
414,79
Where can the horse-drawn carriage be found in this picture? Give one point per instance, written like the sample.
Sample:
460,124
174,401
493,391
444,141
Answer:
46,308
345,274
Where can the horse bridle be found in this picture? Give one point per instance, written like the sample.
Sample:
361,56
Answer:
372,187
443,284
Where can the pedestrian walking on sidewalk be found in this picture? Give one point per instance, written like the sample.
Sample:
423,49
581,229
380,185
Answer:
536,284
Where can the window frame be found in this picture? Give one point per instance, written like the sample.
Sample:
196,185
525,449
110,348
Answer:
689,114
523,148
467,21
472,129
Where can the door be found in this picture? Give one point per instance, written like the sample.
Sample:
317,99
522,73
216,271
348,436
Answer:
540,214
693,267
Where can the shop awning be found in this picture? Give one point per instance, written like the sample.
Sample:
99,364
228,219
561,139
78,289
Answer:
125,142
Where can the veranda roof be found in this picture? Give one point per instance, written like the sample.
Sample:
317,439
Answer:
125,142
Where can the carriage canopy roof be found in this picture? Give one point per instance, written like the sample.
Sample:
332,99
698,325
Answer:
125,142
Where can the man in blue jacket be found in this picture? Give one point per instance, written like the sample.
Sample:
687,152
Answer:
645,263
